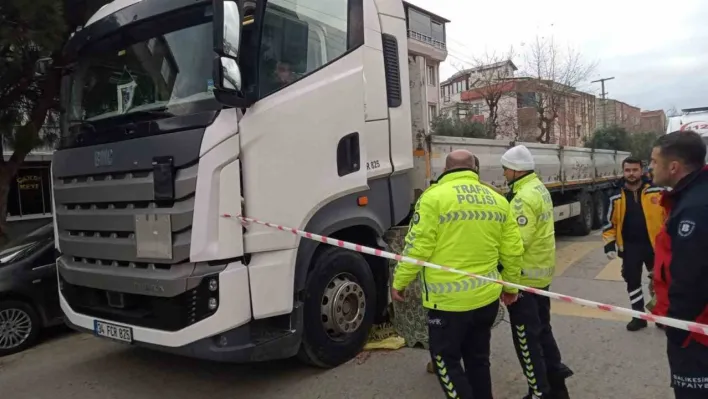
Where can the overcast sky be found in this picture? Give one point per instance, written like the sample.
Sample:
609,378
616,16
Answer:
656,50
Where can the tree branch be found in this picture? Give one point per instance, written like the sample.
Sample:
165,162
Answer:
27,136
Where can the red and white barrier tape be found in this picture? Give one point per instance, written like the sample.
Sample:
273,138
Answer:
681,324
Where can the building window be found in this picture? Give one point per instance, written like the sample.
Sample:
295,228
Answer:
432,76
458,87
30,193
432,112
438,31
526,100
476,109
419,22
296,43
421,27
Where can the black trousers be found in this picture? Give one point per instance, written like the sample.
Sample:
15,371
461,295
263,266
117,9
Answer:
634,256
535,345
689,370
456,336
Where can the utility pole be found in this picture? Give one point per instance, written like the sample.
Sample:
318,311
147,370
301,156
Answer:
604,99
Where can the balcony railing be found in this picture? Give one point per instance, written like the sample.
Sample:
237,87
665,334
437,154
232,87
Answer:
426,39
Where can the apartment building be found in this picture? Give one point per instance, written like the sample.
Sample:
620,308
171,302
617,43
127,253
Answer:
517,114
451,89
617,113
426,51
576,120
653,121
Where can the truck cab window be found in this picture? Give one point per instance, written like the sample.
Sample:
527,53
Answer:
299,37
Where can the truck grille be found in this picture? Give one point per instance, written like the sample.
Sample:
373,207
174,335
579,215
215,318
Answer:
96,217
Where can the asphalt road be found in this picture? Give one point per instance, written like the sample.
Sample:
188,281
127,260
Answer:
608,361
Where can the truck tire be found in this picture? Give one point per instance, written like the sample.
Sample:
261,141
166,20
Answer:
19,327
339,308
581,225
599,201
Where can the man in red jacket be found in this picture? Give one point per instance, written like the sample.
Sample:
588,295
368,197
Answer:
681,264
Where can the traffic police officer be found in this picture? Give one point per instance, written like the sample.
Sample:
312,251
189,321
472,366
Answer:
530,315
429,368
460,223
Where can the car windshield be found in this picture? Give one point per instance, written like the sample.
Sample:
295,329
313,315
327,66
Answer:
153,74
16,248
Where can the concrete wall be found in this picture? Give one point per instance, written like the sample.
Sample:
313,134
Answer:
576,121
653,121
618,113
419,101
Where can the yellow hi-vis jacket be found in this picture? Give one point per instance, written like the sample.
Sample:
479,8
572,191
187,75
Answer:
460,223
532,208
654,216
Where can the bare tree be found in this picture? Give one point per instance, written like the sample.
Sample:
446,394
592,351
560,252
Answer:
492,82
672,111
553,74
507,119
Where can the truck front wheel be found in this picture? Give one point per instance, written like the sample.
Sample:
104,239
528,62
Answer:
599,209
339,309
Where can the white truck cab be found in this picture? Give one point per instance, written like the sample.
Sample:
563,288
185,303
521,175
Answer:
180,111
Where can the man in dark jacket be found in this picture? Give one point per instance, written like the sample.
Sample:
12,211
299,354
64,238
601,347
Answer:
681,265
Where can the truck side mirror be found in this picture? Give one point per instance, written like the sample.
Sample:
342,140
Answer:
227,39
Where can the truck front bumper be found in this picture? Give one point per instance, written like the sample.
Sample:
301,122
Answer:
238,345
227,335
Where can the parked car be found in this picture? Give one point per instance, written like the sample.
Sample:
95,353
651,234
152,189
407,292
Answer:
29,299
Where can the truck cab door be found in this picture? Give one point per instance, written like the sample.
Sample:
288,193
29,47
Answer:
301,141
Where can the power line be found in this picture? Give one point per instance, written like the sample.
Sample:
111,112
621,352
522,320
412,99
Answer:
604,99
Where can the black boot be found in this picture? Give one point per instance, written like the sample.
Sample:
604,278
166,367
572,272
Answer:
636,325
559,390
557,381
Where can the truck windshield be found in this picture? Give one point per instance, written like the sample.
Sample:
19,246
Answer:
162,74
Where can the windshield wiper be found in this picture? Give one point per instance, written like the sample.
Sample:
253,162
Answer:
162,111
154,111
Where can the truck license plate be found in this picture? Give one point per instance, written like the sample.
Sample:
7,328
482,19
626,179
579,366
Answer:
112,331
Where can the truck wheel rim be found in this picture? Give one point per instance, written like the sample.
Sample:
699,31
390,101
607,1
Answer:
343,306
15,328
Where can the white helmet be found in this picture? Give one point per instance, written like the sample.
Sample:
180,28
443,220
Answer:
518,158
